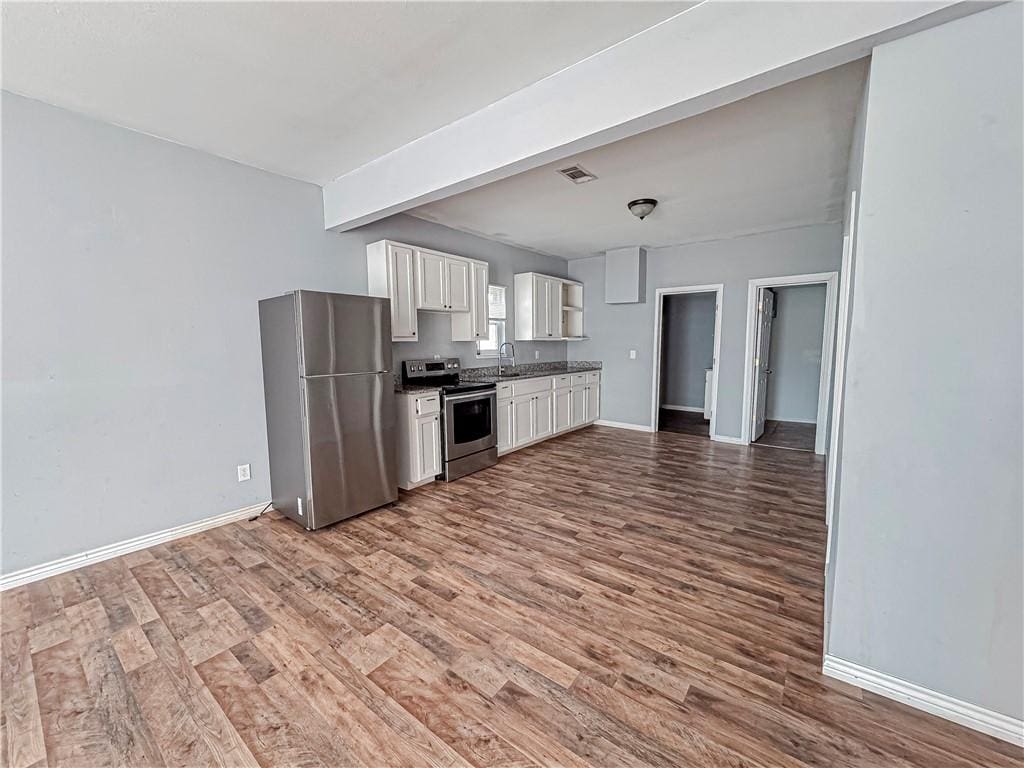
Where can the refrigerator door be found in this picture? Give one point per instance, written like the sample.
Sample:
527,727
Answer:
339,333
351,430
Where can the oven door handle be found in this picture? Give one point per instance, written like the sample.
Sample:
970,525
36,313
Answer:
478,395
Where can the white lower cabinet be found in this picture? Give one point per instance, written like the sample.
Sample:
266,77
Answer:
543,415
523,420
562,398
419,439
578,406
593,402
504,425
534,409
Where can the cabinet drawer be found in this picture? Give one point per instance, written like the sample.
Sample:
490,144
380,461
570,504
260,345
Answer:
504,391
560,382
530,386
593,377
428,404
579,379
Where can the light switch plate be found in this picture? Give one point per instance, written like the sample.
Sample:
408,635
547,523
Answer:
632,354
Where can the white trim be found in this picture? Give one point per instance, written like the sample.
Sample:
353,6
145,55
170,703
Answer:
792,421
971,715
831,280
70,563
719,290
728,439
686,408
624,425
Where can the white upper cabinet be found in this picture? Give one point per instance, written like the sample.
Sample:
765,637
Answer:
472,325
458,284
391,273
542,310
433,280
417,278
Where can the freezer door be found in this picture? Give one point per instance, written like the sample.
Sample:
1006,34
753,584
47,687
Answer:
339,333
350,422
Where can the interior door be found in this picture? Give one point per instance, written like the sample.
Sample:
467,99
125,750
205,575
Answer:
433,283
458,284
762,346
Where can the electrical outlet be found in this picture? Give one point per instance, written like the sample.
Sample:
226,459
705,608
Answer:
632,354
536,354
244,473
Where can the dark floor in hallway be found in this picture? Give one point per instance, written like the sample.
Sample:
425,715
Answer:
794,435
683,422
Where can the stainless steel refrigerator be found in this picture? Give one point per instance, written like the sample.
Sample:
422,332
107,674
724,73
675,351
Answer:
330,399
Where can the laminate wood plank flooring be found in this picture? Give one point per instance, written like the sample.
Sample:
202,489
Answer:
794,435
606,598
683,422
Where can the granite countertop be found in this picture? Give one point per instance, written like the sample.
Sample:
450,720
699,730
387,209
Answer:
530,370
415,389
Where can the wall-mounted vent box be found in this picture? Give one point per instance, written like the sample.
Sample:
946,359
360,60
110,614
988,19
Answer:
625,276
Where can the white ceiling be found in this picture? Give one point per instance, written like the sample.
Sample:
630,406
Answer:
306,89
774,160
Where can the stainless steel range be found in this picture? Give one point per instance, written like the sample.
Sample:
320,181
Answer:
469,427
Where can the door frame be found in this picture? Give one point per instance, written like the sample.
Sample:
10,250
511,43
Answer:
716,288
831,282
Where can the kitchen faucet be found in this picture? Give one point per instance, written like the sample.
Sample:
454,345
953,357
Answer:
503,345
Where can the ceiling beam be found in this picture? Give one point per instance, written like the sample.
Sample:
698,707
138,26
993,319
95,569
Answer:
709,55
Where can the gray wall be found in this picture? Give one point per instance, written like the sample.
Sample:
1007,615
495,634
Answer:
795,353
687,347
614,329
132,381
928,557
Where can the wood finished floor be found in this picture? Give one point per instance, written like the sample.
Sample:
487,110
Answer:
683,422
607,598
794,435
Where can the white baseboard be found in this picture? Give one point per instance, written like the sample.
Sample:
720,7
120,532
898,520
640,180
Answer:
727,439
792,421
624,425
971,715
687,408
70,563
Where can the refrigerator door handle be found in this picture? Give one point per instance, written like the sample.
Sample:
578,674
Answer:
334,375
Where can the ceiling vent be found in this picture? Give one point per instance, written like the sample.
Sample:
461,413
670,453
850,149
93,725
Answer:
577,174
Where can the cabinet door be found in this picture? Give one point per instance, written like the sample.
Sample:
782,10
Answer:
402,292
479,304
578,406
433,282
593,402
562,400
540,307
428,439
458,284
504,425
544,416
553,297
522,420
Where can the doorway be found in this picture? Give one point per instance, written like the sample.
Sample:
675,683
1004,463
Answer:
685,375
790,330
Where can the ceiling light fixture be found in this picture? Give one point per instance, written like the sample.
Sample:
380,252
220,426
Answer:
642,208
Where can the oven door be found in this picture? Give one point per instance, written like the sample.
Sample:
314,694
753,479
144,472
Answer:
470,423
